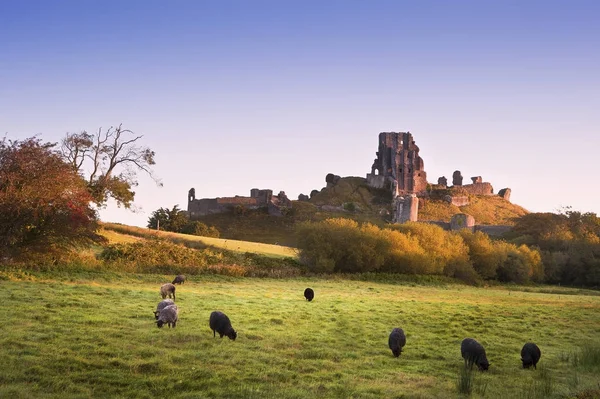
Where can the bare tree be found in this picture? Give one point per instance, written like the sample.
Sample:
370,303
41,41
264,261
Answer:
112,159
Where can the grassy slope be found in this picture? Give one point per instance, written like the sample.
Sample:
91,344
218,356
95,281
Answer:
118,231
84,338
489,210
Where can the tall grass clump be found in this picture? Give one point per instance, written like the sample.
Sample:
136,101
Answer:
464,381
542,387
587,357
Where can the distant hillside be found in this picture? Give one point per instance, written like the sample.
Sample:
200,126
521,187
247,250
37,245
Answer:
352,198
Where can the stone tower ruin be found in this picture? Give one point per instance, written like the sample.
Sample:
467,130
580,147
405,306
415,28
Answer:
398,165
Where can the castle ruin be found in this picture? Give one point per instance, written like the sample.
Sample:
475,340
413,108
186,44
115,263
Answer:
257,199
398,166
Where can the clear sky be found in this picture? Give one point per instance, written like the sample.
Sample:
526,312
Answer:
276,94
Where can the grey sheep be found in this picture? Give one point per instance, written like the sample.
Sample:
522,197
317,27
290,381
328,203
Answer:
161,305
474,353
309,294
179,279
167,290
169,315
396,341
219,323
530,355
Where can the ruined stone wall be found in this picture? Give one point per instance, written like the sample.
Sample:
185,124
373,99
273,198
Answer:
406,209
258,199
238,201
479,188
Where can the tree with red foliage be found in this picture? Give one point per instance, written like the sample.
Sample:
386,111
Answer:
44,202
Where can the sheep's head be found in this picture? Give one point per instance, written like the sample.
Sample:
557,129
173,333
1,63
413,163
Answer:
231,334
483,365
527,361
396,352
160,323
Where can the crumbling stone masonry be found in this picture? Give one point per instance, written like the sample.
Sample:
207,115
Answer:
462,221
406,209
398,166
258,199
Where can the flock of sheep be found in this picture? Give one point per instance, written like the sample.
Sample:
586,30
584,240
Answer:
167,312
472,351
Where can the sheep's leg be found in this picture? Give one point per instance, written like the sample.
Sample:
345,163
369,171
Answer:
174,324
214,334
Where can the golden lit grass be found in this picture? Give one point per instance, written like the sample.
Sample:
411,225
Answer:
489,210
199,241
95,336
117,238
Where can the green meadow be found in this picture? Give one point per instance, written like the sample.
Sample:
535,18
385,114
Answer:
94,335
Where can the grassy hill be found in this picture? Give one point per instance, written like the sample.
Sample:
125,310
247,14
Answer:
352,198
119,233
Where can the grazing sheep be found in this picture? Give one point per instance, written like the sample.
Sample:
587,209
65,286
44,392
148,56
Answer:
168,315
397,341
179,279
166,290
309,294
161,305
219,322
530,355
474,353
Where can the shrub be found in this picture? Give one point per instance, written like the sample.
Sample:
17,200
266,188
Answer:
485,255
341,245
446,251
200,229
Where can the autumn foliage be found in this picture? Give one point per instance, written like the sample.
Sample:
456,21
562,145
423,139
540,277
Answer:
343,245
44,202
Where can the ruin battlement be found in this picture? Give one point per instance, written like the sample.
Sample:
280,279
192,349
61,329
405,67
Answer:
257,199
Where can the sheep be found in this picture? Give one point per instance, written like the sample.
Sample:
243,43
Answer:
179,279
166,290
396,341
309,294
161,305
219,322
474,353
169,315
530,355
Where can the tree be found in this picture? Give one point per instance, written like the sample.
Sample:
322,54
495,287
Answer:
112,159
43,201
168,219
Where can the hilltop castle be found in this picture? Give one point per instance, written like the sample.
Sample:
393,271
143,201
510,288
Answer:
399,168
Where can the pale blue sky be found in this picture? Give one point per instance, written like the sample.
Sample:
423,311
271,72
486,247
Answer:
276,94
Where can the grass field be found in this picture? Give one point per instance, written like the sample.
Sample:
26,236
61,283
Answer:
198,241
93,335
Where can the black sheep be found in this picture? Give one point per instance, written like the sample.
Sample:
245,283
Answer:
179,279
530,355
474,353
397,341
219,323
309,294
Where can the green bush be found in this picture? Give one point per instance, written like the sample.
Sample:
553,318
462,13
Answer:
200,229
341,245
446,252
